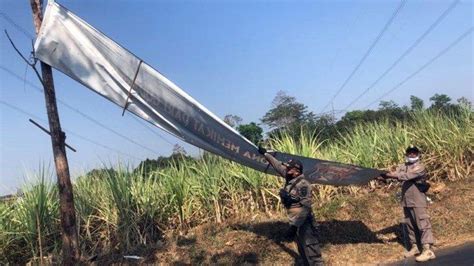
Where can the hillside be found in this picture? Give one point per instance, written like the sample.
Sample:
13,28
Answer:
362,229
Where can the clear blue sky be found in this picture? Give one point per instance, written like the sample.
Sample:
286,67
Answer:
233,57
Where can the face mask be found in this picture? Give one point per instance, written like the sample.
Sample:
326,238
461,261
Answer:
412,160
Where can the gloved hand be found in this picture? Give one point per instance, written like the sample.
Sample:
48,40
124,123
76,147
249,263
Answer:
294,199
283,194
261,150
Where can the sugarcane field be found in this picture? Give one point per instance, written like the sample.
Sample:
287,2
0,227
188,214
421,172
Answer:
236,132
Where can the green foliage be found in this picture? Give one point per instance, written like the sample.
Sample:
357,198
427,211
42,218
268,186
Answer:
29,225
287,115
252,132
388,111
329,209
100,173
440,101
233,120
416,103
149,166
464,103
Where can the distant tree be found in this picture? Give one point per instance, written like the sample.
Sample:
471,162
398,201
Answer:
388,105
252,132
390,111
285,112
405,108
416,103
324,126
287,116
355,117
101,173
147,166
324,120
440,101
232,120
177,156
463,102
178,150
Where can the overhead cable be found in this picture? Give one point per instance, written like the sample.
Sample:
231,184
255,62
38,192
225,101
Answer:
367,53
428,63
408,51
19,110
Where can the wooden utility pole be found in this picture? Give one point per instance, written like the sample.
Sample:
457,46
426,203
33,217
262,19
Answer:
70,240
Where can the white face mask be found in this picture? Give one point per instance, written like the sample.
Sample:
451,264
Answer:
412,160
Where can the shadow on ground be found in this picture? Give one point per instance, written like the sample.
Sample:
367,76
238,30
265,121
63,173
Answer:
333,232
396,229
330,232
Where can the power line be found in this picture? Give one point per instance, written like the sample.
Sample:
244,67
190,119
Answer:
65,104
19,110
150,129
368,52
29,35
348,31
18,27
404,54
441,53
79,112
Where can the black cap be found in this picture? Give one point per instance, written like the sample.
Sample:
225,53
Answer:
412,149
294,163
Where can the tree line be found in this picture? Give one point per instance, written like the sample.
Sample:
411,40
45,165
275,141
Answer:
288,116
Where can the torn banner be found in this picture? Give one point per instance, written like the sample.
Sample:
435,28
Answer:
75,48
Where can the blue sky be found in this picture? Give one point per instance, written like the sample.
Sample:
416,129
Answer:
233,57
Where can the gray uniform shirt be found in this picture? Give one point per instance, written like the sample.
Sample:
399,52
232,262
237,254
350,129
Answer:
298,187
410,174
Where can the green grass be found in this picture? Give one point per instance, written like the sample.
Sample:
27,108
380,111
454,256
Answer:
123,210
28,225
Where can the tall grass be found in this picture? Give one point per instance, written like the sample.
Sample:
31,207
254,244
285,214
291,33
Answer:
29,226
122,210
446,142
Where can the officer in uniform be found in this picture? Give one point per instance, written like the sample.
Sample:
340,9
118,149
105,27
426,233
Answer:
296,197
414,186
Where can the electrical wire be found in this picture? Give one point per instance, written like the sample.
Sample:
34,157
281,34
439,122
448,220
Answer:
406,52
367,53
18,27
38,88
428,63
19,110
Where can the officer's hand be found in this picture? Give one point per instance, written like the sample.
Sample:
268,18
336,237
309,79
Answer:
283,193
261,150
294,198
383,177
391,175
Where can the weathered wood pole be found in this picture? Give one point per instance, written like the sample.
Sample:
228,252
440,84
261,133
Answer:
70,240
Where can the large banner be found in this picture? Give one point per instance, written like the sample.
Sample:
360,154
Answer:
75,48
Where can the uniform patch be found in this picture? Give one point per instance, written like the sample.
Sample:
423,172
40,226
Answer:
303,191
